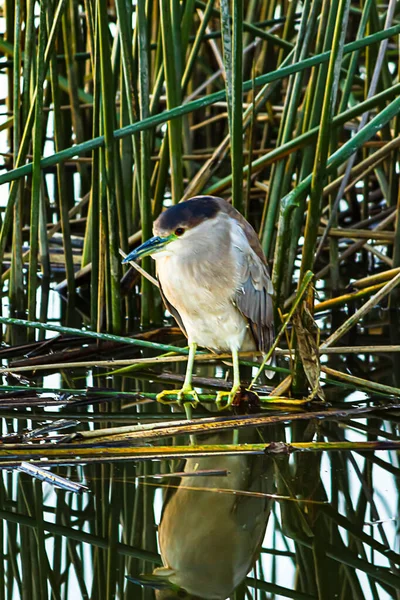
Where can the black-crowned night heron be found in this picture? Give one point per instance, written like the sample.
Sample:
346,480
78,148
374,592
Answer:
210,534
214,280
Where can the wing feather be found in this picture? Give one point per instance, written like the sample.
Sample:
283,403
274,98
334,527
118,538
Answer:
171,309
255,303
254,292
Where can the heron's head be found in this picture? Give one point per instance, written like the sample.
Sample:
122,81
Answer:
191,222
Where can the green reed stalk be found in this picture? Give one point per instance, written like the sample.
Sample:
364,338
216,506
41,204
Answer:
28,56
233,63
227,57
185,26
355,57
16,280
109,174
320,163
127,158
68,30
61,191
125,32
93,334
145,198
312,106
25,140
36,170
281,174
237,105
286,129
92,235
200,36
173,88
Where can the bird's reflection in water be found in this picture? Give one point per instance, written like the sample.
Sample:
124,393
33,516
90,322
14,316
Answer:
210,540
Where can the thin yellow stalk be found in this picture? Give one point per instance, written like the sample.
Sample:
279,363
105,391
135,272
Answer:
376,278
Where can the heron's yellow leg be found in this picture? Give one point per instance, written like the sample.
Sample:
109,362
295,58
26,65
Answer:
187,394
224,399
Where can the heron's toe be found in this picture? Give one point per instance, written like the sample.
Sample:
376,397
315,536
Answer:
225,399
187,395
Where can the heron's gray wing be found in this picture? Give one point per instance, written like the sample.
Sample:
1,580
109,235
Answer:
254,294
172,310
253,297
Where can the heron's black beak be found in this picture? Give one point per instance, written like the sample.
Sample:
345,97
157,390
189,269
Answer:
152,246
150,581
158,580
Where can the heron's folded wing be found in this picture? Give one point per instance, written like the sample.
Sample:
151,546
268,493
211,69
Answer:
253,298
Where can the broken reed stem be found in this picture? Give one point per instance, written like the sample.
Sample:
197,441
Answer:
140,270
165,452
164,427
213,425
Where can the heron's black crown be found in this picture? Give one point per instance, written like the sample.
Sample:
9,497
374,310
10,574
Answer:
188,214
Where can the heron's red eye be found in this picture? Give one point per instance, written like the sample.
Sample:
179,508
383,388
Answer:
179,231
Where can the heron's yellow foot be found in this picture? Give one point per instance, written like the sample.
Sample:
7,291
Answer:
225,399
185,395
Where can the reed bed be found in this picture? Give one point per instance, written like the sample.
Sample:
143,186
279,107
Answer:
110,112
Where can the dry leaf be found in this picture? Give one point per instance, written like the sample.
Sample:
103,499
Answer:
307,334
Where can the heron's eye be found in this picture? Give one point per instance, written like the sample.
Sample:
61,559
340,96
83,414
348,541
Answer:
180,231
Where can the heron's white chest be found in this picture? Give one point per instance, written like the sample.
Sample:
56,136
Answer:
202,294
